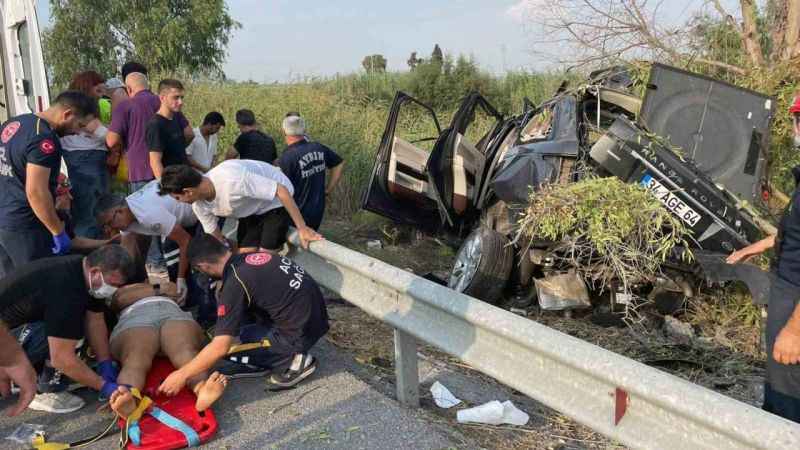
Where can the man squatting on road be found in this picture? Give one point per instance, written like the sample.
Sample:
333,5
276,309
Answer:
287,305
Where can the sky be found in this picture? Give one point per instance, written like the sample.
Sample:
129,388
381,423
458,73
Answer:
282,40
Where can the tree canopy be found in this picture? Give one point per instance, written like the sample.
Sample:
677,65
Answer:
164,35
374,63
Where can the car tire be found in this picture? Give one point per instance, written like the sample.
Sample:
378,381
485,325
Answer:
483,265
668,302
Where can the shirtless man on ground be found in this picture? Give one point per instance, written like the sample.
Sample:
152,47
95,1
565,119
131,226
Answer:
151,323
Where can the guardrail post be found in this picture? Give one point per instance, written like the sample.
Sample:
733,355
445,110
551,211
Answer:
405,369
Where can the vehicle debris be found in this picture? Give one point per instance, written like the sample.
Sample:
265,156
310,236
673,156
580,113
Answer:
493,413
561,292
475,177
26,433
443,397
678,330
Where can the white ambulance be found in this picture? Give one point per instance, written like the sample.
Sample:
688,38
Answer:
23,86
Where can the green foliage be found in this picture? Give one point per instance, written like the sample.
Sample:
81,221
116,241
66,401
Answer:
165,35
374,64
413,61
442,87
607,229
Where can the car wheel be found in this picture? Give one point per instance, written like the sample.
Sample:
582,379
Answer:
482,265
668,302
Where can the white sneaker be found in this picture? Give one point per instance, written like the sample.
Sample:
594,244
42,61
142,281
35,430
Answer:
57,402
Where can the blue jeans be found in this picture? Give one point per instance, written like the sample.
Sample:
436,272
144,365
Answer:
155,252
89,179
134,186
33,339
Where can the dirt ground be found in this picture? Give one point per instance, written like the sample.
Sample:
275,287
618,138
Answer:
723,354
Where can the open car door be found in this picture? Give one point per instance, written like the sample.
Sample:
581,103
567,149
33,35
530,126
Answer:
399,188
458,166
23,87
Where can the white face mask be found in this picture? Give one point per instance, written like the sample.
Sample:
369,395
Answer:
104,292
797,141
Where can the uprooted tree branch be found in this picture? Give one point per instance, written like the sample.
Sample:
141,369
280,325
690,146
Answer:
607,230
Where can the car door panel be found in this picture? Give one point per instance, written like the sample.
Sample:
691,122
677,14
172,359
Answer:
458,167
399,188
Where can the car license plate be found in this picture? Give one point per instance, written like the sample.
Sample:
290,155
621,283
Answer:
671,201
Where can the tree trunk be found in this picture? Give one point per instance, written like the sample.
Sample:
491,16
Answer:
791,38
778,10
750,34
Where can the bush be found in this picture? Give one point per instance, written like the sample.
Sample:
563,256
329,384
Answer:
607,229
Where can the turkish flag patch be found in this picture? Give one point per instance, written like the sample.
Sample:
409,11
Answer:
257,259
47,147
221,311
9,131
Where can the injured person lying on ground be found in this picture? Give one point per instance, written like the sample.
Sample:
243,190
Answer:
152,324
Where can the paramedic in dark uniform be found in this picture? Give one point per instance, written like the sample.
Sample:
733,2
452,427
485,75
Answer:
264,296
305,163
30,161
782,386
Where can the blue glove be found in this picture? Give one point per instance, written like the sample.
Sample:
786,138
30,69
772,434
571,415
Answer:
108,370
61,243
108,388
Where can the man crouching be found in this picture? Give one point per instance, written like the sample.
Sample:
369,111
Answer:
151,323
267,303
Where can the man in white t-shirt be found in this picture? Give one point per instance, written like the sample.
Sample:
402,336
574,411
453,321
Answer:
255,192
146,213
203,149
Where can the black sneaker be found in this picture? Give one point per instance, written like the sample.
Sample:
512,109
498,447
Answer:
234,370
303,365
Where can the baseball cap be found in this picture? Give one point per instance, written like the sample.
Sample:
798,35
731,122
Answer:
795,108
114,83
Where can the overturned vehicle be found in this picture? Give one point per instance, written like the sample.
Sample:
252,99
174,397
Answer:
470,178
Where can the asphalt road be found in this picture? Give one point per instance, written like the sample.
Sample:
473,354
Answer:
343,412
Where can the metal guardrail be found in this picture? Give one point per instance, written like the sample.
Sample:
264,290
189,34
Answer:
634,404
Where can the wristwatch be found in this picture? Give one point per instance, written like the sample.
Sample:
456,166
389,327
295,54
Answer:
156,289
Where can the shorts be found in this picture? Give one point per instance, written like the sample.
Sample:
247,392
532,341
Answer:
267,230
150,312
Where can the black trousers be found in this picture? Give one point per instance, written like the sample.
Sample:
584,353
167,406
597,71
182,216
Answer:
19,247
267,231
782,386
